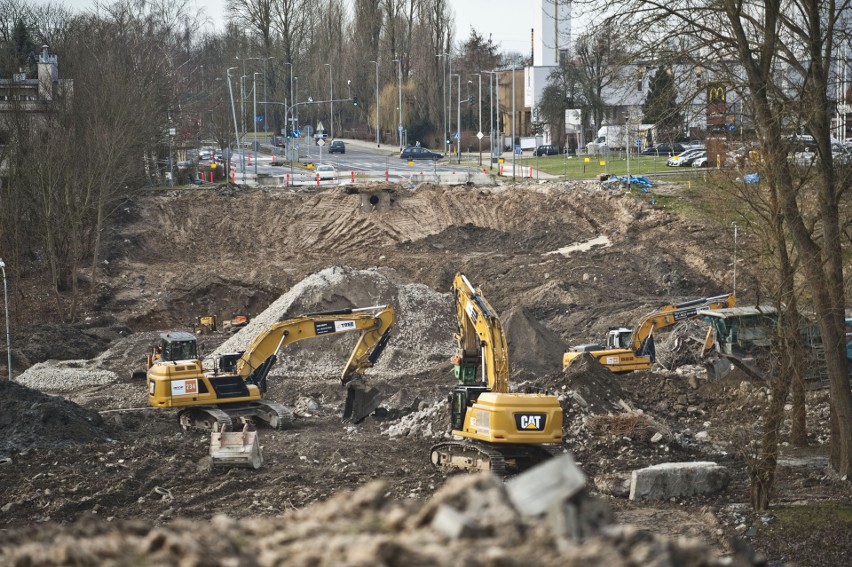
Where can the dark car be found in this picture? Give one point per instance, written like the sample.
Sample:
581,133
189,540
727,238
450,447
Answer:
337,147
547,150
416,152
663,150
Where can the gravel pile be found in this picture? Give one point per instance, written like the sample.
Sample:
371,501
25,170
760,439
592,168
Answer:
64,376
431,422
422,330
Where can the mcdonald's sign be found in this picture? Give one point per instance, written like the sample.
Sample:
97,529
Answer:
716,93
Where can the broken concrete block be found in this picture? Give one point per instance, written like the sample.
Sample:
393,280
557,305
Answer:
556,480
573,521
675,480
613,484
452,523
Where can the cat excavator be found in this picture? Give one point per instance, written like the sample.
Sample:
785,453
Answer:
628,350
234,388
495,430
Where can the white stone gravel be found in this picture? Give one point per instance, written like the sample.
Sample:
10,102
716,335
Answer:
64,376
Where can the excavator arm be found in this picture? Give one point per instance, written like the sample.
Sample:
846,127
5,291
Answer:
480,339
670,315
374,323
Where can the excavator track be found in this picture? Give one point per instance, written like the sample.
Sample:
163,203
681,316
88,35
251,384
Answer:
468,456
205,418
271,413
500,460
224,418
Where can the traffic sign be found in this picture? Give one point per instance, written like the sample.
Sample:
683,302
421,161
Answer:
455,136
517,150
480,135
731,127
258,118
638,143
320,128
320,142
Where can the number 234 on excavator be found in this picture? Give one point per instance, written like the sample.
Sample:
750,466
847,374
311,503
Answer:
235,387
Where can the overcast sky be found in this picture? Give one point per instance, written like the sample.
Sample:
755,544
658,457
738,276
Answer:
507,21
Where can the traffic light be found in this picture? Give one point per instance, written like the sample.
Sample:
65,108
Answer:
354,101
470,100
447,138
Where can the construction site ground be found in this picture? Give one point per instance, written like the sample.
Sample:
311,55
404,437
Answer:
92,476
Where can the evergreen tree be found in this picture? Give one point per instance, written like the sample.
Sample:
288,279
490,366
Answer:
661,107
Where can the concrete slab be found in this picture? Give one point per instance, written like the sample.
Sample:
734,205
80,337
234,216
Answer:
676,480
538,489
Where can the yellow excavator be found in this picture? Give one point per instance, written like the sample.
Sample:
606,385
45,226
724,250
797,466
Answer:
235,387
497,430
628,350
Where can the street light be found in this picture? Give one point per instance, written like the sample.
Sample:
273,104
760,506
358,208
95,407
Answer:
399,128
290,126
491,136
378,143
8,336
445,124
254,94
234,114
479,134
513,121
458,114
331,99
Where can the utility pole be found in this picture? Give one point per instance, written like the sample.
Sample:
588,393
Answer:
378,142
513,121
234,114
254,143
331,99
399,127
457,133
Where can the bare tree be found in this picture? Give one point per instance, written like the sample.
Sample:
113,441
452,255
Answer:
780,54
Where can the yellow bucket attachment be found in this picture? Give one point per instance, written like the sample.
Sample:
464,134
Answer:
235,448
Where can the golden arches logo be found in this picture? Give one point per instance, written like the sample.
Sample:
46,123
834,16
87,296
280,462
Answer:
716,93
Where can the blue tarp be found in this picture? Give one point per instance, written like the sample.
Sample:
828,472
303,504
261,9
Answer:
642,182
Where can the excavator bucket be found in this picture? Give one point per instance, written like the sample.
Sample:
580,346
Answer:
235,448
360,402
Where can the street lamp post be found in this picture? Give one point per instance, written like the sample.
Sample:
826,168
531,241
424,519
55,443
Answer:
491,116
458,115
331,99
234,114
378,141
513,121
290,126
254,95
8,336
399,127
446,126
243,118
479,133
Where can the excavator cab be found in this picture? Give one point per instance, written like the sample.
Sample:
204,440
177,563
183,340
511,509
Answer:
461,398
619,337
178,345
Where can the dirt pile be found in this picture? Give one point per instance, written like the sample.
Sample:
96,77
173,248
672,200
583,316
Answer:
534,350
32,420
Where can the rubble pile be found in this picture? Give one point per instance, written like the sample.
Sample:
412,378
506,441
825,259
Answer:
473,519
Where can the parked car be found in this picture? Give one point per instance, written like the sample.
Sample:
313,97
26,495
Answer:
684,158
337,147
547,150
326,172
693,145
700,161
417,152
663,150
